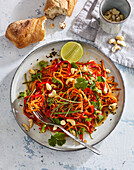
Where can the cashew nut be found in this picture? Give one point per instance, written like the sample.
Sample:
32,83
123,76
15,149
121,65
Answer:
119,37
52,94
48,86
71,121
85,141
31,71
62,122
73,70
112,106
121,17
118,19
108,71
105,90
54,128
30,123
114,48
62,25
108,16
107,13
53,86
115,11
112,41
90,60
122,43
73,132
98,111
84,69
69,80
26,127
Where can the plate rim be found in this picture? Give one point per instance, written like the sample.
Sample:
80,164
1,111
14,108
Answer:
59,41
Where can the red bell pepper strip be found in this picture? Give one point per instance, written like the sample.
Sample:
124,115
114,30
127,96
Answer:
56,66
62,62
87,90
90,62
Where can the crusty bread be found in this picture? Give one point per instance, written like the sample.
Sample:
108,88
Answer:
54,8
25,32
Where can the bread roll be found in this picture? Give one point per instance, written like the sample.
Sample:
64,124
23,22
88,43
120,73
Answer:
25,32
54,8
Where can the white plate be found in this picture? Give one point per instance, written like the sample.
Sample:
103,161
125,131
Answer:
90,52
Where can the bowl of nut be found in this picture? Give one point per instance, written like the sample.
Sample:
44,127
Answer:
113,14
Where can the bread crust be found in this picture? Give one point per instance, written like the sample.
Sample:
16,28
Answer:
25,32
66,5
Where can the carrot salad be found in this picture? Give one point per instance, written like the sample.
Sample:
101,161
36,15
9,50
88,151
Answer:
73,95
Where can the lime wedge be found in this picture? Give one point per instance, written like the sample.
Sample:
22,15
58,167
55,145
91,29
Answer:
72,52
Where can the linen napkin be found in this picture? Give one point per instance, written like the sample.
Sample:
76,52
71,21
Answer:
87,26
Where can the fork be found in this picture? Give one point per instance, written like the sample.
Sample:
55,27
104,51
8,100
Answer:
46,120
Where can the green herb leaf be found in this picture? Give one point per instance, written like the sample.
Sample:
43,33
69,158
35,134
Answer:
42,64
92,79
22,94
59,135
52,141
56,121
88,119
43,128
55,80
95,105
61,142
101,79
58,138
50,101
74,65
81,83
39,74
97,90
92,86
101,117
36,76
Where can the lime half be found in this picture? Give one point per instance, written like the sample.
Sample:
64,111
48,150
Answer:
72,52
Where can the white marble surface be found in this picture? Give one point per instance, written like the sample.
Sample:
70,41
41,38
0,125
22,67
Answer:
17,150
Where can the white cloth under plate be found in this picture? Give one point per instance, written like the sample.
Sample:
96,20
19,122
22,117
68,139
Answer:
87,26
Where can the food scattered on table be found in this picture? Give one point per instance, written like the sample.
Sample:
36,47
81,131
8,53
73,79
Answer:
115,48
51,26
25,32
62,25
54,8
26,127
118,41
77,100
114,15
